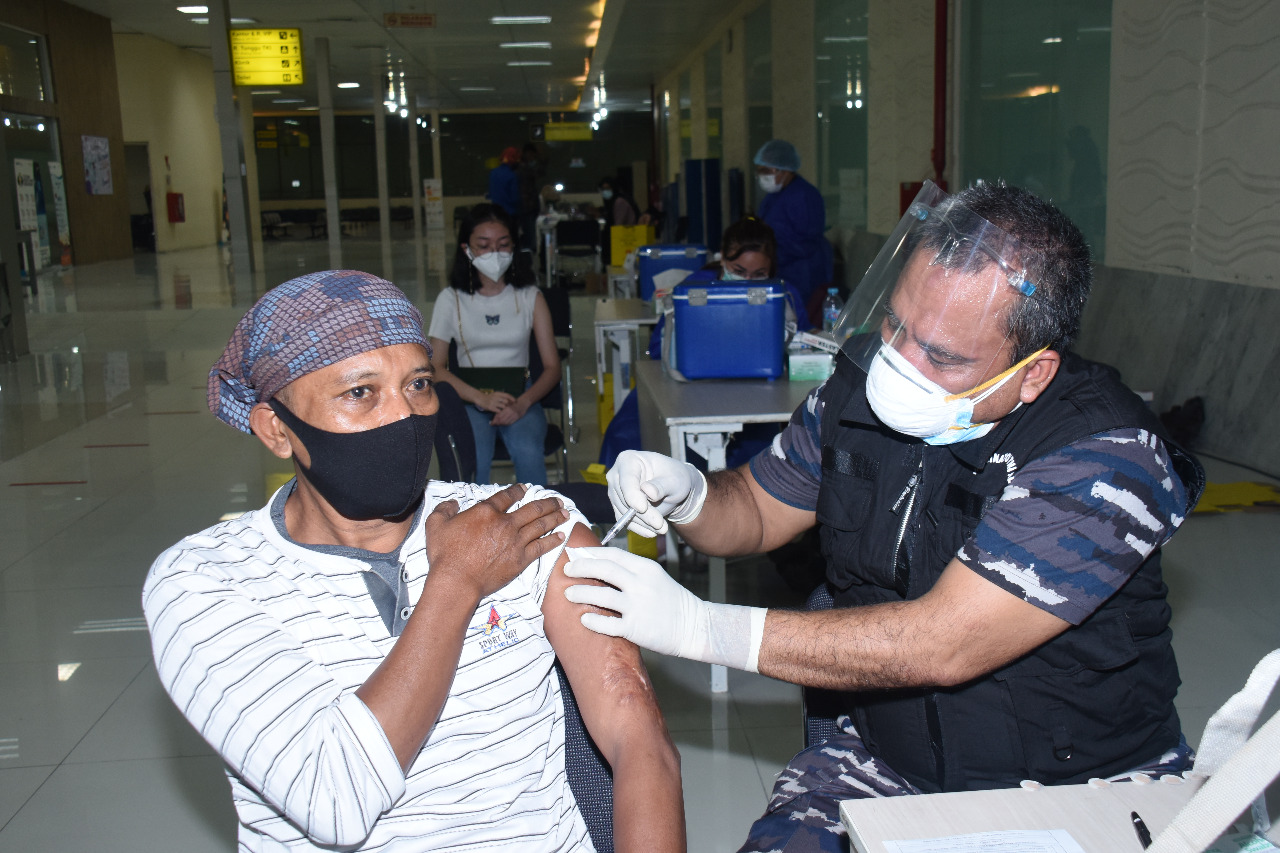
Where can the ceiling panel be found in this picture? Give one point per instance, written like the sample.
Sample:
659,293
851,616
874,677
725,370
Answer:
452,65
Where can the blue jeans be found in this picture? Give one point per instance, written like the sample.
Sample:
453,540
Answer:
524,440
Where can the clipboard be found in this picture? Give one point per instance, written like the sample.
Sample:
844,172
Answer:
1096,814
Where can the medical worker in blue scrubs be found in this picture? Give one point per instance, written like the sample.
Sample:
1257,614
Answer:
793,208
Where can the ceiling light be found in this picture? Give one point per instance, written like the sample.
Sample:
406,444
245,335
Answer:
288,100
544,45
520,19
475,88
522,64
404,112
857,103
66,670
194,10
312,109
233,20
40,127
559,188
265,92
1052,40
604,112
348,85
842,39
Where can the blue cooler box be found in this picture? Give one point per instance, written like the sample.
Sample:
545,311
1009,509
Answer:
658,258
729,329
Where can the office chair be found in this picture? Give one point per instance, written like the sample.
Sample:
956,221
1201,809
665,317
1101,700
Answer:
590,777
576,238
562,328
455,444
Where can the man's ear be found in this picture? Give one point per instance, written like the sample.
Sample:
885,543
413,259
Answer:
1038,376
270,430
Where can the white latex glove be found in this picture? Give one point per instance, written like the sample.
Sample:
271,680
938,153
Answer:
659,614
658,487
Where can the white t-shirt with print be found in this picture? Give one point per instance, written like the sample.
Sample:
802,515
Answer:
493,330
262,644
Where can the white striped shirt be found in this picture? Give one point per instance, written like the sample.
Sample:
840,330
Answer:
262,643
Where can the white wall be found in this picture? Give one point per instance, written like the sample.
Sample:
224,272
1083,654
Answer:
1194,175
167,101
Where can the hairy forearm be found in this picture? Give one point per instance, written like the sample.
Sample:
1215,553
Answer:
863,648
964,627
730,524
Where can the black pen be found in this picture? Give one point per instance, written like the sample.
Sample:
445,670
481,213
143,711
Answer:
1144,834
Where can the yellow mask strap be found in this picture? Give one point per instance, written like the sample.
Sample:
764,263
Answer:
998,378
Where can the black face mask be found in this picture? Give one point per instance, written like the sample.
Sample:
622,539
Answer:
376,473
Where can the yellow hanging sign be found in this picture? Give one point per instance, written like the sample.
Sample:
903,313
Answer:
267,57
568,131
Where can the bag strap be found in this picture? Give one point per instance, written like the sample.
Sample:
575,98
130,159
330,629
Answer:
461,337
1238,767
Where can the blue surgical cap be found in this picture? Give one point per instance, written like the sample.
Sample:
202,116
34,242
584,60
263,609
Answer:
778,154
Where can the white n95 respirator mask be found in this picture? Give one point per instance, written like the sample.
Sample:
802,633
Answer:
909,402
491,265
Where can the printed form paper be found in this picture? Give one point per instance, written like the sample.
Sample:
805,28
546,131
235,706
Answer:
1007,841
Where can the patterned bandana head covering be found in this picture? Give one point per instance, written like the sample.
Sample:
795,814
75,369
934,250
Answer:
301,326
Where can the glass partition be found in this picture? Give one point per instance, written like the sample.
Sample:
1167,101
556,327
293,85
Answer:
23,65
686,118
1034,95
715,101
840,75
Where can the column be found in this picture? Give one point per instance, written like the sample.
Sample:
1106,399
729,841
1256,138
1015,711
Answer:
795,112
698,109
380,160
233,168
328,152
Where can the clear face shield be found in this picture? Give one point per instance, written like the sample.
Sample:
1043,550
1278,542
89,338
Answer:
931,318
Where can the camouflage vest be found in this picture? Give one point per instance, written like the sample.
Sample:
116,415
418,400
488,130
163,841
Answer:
1094,701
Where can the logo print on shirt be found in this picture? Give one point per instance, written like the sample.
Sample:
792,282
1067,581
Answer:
496,629
492,319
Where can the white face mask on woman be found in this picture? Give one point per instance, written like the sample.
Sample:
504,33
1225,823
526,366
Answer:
768,183
491,265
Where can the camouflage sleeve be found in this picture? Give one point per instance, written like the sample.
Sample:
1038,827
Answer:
1072,527
790,469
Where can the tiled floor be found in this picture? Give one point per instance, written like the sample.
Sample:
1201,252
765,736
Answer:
108,456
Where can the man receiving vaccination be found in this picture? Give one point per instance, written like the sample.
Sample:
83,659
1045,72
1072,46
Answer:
372,654
991,509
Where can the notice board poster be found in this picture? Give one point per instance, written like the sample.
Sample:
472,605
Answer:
24,174
97,165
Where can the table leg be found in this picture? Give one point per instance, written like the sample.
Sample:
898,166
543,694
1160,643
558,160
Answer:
621,339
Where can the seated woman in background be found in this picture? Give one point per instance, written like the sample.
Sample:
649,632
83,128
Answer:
490,310
748,252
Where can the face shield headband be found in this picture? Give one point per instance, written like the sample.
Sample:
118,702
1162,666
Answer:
944,291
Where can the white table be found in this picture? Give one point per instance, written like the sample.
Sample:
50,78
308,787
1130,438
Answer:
703,416
617,323
622,283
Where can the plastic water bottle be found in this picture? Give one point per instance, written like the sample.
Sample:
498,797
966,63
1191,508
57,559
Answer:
832,306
